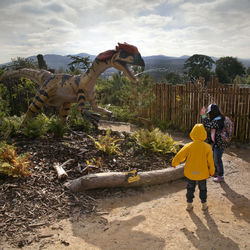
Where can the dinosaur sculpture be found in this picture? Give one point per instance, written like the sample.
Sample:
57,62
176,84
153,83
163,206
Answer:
62,90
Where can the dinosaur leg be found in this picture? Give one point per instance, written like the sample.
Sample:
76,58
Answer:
38,102
99,109
93,118
64,110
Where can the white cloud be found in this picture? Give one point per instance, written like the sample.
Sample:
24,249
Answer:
153,21
173,27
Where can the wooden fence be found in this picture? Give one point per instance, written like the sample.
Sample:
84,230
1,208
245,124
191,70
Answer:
181,104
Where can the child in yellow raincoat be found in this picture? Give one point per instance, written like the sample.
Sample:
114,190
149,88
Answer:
199,165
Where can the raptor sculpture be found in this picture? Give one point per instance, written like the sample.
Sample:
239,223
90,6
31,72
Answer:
62,90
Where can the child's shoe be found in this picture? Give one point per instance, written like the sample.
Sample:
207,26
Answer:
215,174
189,206
218,179
204,206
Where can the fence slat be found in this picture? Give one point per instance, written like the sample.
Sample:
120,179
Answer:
181,104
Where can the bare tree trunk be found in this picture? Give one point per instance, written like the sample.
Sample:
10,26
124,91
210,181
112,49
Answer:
41,62
119,179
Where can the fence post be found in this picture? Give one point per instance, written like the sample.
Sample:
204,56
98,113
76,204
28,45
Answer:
233,101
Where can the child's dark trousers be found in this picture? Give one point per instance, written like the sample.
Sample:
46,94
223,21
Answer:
191,189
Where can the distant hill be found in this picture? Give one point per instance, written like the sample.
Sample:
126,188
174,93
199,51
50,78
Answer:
157,65
59,62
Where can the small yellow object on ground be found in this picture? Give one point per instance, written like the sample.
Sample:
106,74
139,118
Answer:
132,176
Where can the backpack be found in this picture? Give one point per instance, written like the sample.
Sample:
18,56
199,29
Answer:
227,131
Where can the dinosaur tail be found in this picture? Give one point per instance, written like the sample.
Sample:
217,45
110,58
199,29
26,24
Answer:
38,76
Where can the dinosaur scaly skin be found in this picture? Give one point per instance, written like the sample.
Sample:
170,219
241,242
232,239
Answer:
62,90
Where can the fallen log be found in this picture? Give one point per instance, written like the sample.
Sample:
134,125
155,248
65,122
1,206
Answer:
119,179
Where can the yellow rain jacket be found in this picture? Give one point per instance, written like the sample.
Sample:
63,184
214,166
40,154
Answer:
197,154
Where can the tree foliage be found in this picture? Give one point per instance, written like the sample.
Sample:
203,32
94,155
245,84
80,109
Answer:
248,71
173,78
130,97
109,90
16,95
78,64
242,80
201,61
227,68
199,65
21,62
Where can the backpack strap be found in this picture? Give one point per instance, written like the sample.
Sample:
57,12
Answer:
217,118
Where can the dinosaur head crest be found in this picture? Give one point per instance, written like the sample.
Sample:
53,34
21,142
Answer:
106,55
127,47
124,56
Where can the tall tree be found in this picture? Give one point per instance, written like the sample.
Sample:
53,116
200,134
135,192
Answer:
199,65
79,63
248,71
173,78
227,68
21,62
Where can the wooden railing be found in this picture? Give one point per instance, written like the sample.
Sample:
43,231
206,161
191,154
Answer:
181,104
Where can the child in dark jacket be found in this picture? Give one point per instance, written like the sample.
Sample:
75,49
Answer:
215,123
199,165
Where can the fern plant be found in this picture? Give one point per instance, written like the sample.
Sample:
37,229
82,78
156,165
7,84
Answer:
155,141
36,127
10,126
11,163
76,121
57,127
107,143
95,162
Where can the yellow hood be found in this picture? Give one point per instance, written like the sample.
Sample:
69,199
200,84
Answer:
198,133
197,154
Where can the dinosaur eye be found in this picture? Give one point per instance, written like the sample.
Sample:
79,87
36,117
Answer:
123,54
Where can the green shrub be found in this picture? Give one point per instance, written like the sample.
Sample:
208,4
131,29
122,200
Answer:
36,127
82,125
10,126
163,125
57,127
76,121
11,163
107,143
4,102
128,99
155,141
16,95
122,113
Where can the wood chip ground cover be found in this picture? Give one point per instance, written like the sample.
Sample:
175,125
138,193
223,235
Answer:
29,203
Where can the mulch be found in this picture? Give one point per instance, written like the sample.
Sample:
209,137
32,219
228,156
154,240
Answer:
27,204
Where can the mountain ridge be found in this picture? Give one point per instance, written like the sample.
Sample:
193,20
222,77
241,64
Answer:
156,65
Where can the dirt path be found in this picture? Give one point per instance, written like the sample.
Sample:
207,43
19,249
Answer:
155,217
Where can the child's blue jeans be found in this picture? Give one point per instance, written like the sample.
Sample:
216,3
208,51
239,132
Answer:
217,154
191,184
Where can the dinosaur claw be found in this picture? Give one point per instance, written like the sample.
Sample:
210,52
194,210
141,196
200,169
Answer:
92,117
96,116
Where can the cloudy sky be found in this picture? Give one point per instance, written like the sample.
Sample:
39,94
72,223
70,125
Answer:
168,27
